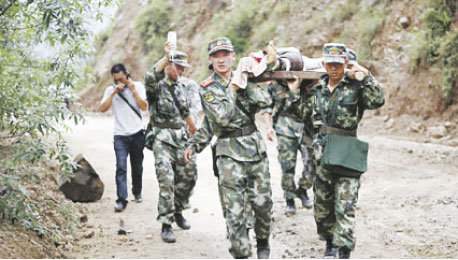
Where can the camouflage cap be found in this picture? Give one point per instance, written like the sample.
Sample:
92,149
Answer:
351,56
179,58
334,52
220,43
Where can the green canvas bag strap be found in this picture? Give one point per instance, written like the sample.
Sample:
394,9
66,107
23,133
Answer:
320,105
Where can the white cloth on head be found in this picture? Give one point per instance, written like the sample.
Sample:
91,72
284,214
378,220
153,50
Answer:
256,63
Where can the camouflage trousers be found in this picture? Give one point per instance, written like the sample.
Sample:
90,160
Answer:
335,206
308,172
248,211
287,153
245,185
176,180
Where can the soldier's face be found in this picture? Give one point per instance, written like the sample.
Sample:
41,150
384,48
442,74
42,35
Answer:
222,61
335,70
174,71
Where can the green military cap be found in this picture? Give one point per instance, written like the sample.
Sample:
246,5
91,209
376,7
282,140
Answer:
351,56
334,52
179,58
220,43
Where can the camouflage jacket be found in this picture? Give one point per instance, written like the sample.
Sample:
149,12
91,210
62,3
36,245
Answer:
342,108
222,115
191,90
165,108
286,121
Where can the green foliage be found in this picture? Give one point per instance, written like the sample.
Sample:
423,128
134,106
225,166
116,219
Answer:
102,38
417,49
368,18
237,25
153,22
370,24
438,16
346,10
448,53
42,51
436,42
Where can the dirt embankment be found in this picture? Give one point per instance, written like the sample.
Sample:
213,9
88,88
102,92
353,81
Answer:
19,242
414,101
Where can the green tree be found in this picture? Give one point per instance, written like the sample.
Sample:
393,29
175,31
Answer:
43,44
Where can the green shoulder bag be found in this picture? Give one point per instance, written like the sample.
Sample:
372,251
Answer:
343,155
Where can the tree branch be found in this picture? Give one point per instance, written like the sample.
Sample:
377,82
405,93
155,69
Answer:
3,10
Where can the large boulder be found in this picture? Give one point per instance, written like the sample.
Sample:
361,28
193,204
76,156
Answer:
85,185
437,131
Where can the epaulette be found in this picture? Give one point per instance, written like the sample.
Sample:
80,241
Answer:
207,82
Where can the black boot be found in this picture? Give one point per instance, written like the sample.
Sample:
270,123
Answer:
330,252
344,252
290,207
302,195
263,248
181,221
167,234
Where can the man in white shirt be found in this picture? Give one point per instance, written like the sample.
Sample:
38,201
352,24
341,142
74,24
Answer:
128,98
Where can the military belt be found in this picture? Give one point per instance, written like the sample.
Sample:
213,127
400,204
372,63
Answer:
337,131
169,125
246,130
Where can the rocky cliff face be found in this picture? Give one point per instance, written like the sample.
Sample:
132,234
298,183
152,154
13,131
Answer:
382,33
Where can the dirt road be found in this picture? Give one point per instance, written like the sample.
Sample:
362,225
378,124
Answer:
408,206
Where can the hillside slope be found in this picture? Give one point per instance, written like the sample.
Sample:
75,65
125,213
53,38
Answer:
387,35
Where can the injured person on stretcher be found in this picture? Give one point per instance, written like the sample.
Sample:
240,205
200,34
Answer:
272,59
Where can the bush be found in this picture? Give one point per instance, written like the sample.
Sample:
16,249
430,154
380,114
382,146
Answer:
436,42
346,10
448,53
153,22
371,19
36,94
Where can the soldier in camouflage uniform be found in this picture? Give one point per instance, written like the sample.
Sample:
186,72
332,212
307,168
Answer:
352,58
169,115
343,101
191,91
308,172
289,129
241,153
